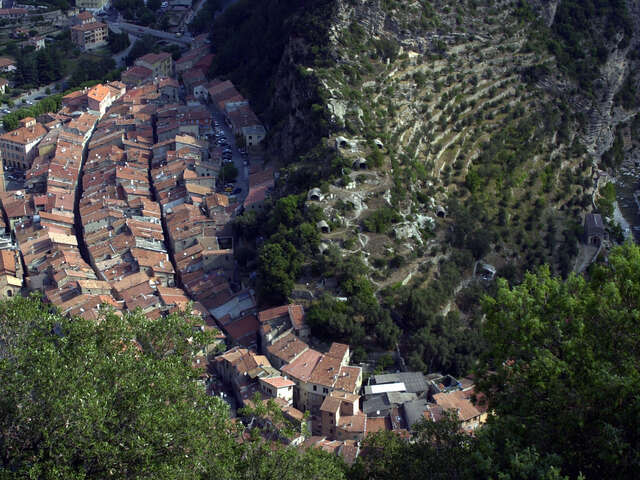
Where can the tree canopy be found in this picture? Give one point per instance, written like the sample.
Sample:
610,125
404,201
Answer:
563,363
560,374
118,398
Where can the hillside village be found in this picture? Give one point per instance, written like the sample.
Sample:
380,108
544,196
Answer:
122,208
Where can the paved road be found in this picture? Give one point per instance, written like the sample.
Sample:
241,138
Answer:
238,160
119,57
139,30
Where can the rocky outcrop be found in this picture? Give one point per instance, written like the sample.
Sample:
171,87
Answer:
547,9
295,90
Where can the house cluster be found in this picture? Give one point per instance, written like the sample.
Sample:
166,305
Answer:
340,412
397,401
41,217
192,68
122,209
148,68
298,378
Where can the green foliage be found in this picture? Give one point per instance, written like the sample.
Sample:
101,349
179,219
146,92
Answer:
279,267
559,374
581,35
94,68
135,10
360,315
119,398
118,41
614,157
444,451
606,200
386,48
42,67
381,220
49,104
564,362
291,234
82,400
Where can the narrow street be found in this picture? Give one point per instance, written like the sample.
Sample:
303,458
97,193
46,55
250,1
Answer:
242,180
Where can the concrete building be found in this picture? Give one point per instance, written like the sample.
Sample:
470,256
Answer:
90,35
93,5
278,387
18,146
161,64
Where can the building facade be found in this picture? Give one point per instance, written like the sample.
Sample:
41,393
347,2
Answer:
93,5
18,147
90,36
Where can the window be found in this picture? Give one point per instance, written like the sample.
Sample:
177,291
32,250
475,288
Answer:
325,390
315,388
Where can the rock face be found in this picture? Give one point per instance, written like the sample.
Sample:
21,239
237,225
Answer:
295,91
547,9
602,115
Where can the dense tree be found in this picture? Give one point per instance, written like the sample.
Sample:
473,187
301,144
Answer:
441,450
118,41
119,398
279,265
49,104
116,398
562,366
202,21
560,377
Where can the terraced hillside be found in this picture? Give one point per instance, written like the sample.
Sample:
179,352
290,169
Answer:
451,141
460,131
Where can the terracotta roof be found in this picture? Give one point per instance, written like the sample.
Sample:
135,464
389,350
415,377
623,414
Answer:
84,15
278,382
353,423
459,402
243,327
377,424
302,367
330,404
338,350
6,62
348,379
256,195
288,348
98,92
138,72
152,58
24,135
130,281
326,371
85,27
7,262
